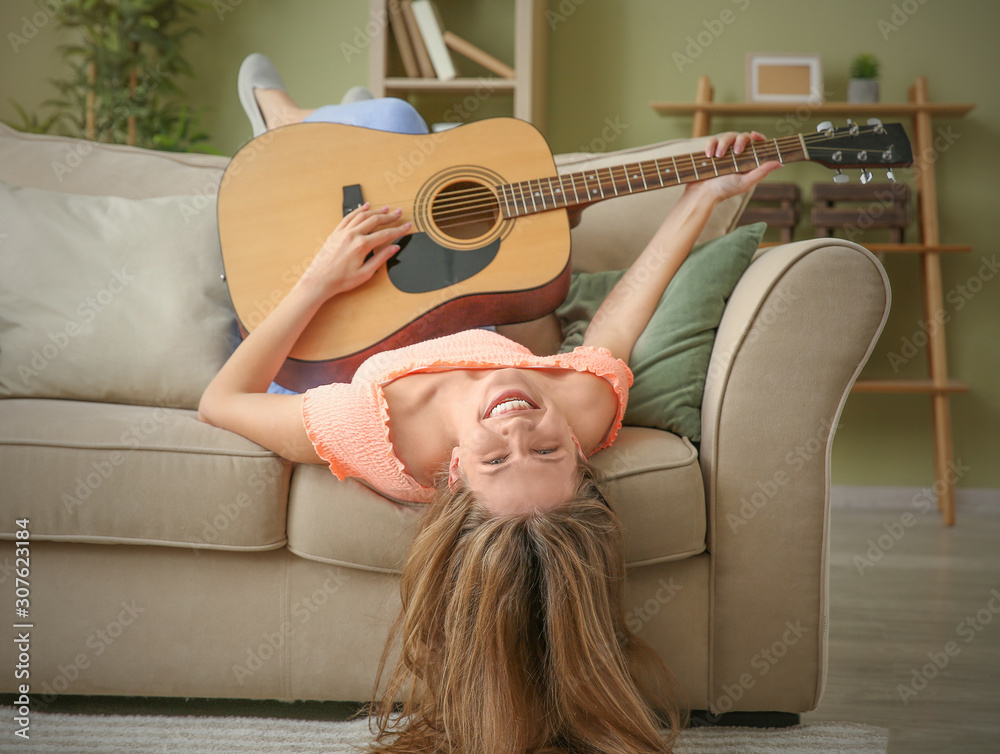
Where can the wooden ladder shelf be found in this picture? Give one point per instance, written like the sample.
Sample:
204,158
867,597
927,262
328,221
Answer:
938,385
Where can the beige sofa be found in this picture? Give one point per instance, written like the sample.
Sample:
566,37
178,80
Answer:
171,558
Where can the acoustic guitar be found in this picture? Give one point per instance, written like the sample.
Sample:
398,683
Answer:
490,242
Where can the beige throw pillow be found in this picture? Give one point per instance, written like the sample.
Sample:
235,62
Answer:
104,298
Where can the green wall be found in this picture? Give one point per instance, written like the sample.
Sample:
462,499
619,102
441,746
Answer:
608,59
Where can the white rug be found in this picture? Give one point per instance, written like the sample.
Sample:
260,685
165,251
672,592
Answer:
110,734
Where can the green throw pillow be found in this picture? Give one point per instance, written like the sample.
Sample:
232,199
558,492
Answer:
670,359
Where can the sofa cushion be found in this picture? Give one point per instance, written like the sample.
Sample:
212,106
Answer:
104,298
62,163
655,485
92,472
612,233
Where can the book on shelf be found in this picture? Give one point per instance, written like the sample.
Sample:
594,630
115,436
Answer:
424,64
431,29
425,46
476,55
402,37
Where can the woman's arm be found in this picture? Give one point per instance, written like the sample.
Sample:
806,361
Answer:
237,398
626,311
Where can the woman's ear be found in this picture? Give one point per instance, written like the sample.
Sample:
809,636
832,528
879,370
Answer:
454,471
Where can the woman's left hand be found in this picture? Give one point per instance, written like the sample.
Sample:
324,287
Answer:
723,187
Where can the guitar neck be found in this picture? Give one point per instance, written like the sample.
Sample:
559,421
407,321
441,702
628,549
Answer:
589,186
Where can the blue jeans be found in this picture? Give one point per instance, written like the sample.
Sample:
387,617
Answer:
383,114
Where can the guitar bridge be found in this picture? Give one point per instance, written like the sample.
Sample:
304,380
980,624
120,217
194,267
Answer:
353,198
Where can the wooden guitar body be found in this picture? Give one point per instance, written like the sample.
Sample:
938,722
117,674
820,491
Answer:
284,193
491,242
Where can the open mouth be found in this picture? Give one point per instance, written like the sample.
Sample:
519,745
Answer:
509,402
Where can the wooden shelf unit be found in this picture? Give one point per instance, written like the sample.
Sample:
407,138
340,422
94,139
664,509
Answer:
527,88
939,386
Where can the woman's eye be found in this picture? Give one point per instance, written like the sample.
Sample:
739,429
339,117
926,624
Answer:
496,461
546,451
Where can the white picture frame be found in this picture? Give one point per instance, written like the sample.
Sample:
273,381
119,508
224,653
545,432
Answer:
783,77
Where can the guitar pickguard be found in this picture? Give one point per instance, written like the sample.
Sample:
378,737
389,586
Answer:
422,265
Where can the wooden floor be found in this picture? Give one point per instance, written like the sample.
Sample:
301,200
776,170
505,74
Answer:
915,628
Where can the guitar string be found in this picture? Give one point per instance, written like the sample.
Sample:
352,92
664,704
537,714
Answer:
771,147
766,146
481,203
457,201
484,206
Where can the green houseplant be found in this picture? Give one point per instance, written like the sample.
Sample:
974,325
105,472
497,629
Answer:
125,63
863,85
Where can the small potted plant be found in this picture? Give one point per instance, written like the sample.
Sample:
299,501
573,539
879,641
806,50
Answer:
863,86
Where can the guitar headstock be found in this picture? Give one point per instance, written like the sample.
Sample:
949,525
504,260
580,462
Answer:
855,146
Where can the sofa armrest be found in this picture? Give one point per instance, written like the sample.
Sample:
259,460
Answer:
797,330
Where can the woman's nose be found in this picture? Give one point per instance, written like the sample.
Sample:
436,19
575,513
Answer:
516,427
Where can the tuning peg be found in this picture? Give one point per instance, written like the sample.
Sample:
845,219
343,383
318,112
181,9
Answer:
866,175
890,176
852,127
878,127
839,177
826,127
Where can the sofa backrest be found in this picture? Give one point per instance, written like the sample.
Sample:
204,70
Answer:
111,282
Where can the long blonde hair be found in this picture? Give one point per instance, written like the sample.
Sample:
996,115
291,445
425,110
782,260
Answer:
512,637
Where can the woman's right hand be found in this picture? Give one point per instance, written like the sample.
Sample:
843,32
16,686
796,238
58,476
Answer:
343,262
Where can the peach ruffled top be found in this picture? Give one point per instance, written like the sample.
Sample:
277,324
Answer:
348,423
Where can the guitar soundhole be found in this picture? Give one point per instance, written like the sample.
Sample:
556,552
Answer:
465,210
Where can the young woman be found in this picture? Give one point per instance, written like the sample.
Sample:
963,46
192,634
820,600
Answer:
512,633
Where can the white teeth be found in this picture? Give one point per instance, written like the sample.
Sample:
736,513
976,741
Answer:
507,406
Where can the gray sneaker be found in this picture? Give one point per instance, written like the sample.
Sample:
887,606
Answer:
256,72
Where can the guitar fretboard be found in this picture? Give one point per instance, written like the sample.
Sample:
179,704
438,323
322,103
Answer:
585,187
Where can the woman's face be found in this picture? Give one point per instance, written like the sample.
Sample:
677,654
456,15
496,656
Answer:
515,446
